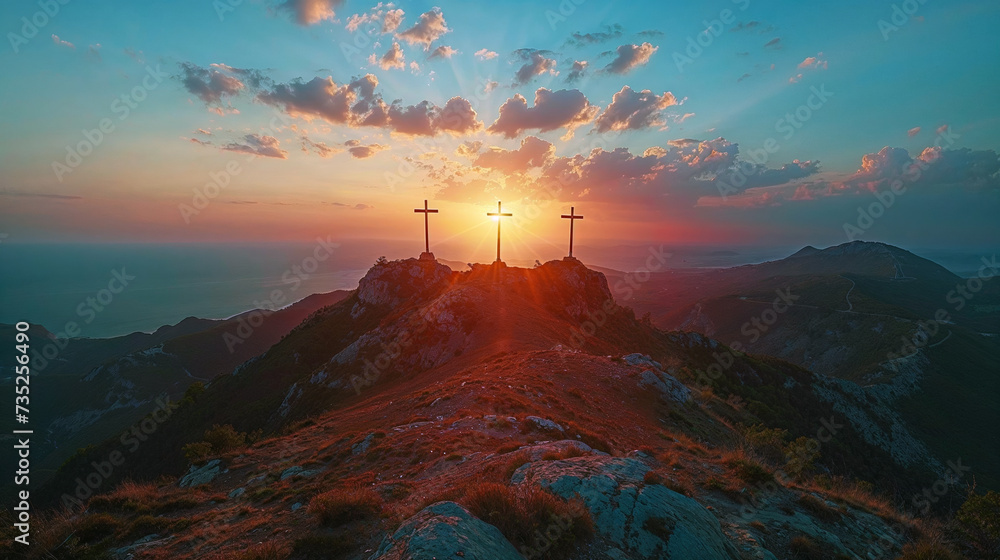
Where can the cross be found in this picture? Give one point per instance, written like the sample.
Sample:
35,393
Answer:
499,216
572,218
427,236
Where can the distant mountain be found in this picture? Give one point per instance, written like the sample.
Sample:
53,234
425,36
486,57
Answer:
433,412
858,314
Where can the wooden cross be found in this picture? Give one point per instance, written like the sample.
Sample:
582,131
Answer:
499,216
572,218
427,236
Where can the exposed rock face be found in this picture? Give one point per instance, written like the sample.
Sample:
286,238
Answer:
392,283
642,520
445,530
667,385
204,474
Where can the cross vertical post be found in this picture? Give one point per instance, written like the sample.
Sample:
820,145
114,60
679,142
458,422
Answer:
427,236
499,214
572,217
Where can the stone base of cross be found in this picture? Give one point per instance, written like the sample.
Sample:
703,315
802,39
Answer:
426,256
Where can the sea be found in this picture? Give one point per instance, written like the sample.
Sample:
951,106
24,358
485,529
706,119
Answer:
112,289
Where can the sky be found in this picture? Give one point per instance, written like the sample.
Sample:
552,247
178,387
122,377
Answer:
716,123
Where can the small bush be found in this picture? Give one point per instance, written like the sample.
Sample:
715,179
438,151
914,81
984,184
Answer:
339,506
96,527
927,550
977,525
224,438
197,452
749,471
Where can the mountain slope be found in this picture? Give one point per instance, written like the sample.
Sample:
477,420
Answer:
527,379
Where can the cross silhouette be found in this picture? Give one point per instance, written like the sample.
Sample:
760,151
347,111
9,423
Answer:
572,218
499,216
427,236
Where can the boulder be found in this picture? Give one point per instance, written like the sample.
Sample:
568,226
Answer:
643,520
445,530
204,474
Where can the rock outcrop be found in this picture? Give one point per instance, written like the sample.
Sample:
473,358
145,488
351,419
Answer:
445,530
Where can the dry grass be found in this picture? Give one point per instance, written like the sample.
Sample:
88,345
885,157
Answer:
341,506
521,511
128,496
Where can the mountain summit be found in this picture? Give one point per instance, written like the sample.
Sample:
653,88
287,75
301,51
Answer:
499,412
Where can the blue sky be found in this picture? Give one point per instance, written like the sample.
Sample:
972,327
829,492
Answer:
936,70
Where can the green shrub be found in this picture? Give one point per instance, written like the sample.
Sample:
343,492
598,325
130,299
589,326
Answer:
977,525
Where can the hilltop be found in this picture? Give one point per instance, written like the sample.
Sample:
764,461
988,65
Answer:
434,412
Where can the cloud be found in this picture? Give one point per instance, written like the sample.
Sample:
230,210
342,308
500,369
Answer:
680,174
565,108
414,67
356,105
61,43
255,144
469,149
743,77
358,206
813,62
534,152
205,132
359,151
577,71
774,44
443,52
323,150
634,110
650,33
629,57
578,39
535,64
210,85
41,195
913,131
941,129
383,17
94,52
485,54
429,28
753,25
310,12
393,58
